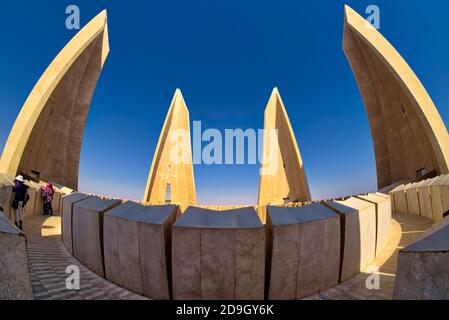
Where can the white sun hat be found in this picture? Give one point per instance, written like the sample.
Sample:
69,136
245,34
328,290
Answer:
20,178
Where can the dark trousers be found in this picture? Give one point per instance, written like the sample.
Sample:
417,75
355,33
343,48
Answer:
47,208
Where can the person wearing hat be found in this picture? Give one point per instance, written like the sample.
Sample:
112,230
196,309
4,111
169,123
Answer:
20,199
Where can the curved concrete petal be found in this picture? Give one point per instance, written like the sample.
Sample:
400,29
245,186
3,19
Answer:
410,138
48,131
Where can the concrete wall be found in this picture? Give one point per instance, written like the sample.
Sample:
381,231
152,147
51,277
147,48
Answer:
423,266
305,256
87,231
218,255
15,282
67,217
6,195
137,246
428,198
359,236
383,218
303,248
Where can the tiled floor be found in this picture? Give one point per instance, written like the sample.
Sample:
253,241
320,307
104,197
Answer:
48,259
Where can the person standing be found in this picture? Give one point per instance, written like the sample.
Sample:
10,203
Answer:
47,193
20,199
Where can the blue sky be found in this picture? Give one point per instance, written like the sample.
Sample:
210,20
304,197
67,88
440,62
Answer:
226,57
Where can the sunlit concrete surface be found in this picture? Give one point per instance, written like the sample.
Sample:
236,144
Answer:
49,258
405,228
57,107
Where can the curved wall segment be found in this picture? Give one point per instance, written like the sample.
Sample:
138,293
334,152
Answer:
47,135
410,138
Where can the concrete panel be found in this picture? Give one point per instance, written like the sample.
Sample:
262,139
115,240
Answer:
15,281
34,198
186,263
389,202
87,231
38,208
359,219
111,249
383,219
56,204
217,264
6,196
284,261
155,259
129,255
218,255
444,190
306,250
423,272
436,198
250,263
425,203
411,192
400,200
135,247
67,217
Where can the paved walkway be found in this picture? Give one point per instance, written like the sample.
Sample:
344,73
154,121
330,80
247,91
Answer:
48,259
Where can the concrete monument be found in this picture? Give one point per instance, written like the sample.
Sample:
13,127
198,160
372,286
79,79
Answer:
171,178
410,138
288,182
57,107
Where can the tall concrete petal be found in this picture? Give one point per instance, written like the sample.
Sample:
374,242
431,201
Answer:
284,179
48,131
410,138
172,167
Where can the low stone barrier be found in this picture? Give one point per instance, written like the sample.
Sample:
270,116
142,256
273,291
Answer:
358,218
425,201
437,198
28,210
411,193
383,218
218,255
36,205
87,231
428,198
304,248
15,282
6,195
423,267
137,248
67,217
399,198
305,255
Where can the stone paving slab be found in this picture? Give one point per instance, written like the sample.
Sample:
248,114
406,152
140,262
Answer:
48,260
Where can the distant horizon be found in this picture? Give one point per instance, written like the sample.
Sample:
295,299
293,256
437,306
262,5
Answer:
226,58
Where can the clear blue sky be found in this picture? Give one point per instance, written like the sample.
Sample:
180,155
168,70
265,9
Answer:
226,56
